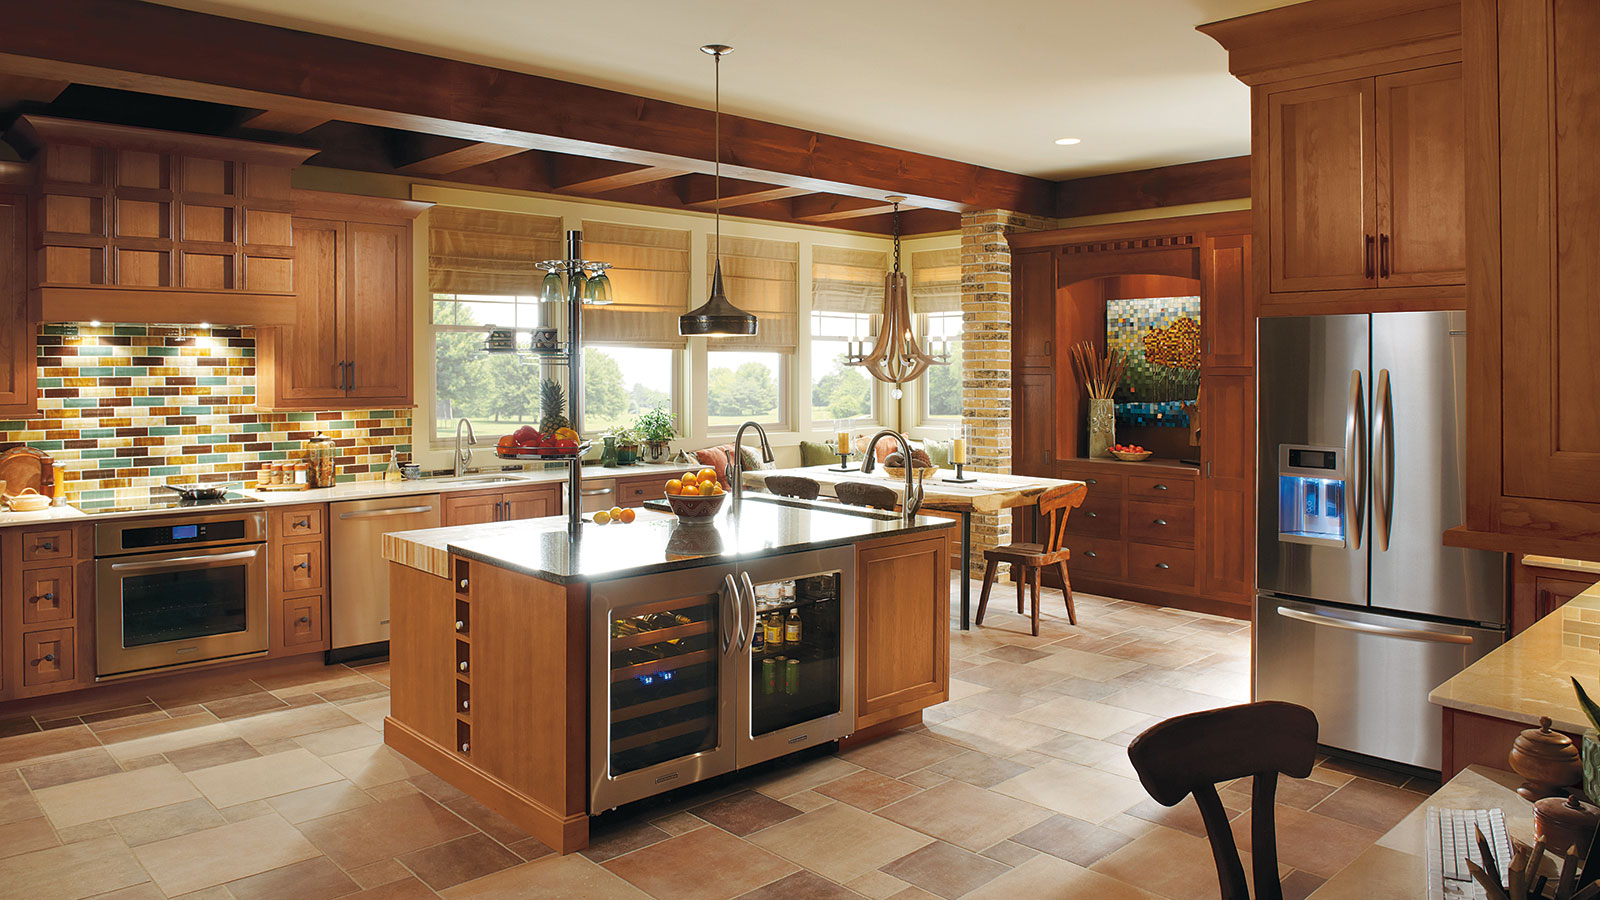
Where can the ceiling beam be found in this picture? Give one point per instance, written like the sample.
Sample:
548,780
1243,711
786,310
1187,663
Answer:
163,50
283,122
33,90
466,154
582,175
1198,182
820,208
699,192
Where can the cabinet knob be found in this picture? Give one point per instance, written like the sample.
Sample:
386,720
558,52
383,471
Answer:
304,620
1090,481
463,666
303,523
1090,553
1160,521
47,545
1094,515
465,746
460,625
1158,565
1161,487
49,657
304,564
462,584
466,704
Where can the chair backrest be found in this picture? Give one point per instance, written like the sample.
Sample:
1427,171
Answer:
1054,505
793,486
1190,754
857,493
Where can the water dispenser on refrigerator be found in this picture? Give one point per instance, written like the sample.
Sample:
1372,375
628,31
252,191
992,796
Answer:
1311,495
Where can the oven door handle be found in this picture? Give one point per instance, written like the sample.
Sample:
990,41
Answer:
179,562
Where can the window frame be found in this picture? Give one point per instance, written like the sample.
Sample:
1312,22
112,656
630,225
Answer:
925,414
786,412
675,398
875,402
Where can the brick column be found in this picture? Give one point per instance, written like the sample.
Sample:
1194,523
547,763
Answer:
986,355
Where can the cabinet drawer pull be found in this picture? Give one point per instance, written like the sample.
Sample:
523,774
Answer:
49,657
1366,256
462,584
596,492
1091,554
47,545
1092,515
1161,522
48,595
1158,565
1160,487
302,523
304,620
1090,481
305,564
1383,256
463,666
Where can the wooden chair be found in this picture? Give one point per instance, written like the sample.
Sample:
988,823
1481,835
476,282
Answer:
857,493
1190,754
793,486
1032,559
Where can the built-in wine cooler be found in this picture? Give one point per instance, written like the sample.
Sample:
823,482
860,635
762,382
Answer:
710,669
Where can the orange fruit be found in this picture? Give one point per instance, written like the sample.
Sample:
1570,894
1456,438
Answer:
689,479
616,512
708,473
715,488
628,515
674,486
709,488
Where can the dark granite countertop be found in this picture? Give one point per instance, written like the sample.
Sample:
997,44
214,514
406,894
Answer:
659,543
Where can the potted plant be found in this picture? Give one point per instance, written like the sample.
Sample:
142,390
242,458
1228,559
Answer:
656,428
627,447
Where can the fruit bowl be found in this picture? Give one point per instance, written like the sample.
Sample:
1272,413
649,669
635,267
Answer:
695,508
1131,455
921,472
537,453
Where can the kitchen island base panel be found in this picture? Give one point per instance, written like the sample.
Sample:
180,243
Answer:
880,731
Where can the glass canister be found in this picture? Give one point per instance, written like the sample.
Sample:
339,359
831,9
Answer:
319,456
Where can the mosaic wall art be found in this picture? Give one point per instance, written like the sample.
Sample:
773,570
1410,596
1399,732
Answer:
123,408
1160,337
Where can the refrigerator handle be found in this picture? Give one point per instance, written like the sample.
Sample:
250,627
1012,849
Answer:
750,597
1405,634
1355,461
1383,451
731,590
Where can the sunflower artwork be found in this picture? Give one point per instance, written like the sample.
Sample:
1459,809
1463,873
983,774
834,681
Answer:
1160,337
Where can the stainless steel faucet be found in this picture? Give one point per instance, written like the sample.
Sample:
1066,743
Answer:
464,454
913,498
736,460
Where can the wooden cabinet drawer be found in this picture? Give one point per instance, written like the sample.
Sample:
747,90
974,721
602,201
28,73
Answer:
47,595
1161,566
1100,516
1100,483
1171,488
636,492
303,621
1161,523
301,567
46,544
303,521
1095,557
47,657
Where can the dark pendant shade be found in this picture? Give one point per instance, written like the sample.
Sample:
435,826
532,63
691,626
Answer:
717,316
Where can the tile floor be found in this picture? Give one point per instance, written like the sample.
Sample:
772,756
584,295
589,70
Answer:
280,787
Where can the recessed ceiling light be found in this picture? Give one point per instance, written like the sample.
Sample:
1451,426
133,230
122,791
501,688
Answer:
1067,142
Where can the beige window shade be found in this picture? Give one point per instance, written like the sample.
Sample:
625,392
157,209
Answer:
936,281
760,277
649,283
847,281
476,251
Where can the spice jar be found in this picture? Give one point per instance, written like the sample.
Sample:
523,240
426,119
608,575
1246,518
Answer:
1562,823
300,474
1546,759
264,475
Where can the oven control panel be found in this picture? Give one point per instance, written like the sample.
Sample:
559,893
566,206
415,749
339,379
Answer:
118,537
182,533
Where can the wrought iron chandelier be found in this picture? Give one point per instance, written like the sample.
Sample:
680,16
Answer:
896,357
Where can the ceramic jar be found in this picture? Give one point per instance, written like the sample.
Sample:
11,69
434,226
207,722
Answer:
1547,760
1102,427
1565,822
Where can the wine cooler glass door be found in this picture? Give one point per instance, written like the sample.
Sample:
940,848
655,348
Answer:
660,682
796,688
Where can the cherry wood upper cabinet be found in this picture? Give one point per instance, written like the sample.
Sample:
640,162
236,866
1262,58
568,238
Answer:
18,325
1033,308
1357,158
1321,171
351,344
1228,319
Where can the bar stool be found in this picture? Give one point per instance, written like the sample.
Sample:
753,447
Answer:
858,493
793,486
1033,559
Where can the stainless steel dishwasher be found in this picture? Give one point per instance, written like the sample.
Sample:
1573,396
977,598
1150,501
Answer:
360,599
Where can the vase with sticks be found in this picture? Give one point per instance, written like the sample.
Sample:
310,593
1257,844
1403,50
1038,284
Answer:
1100,377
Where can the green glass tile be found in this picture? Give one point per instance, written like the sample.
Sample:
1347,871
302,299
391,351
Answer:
158,351
80,402
302,417
12,425
151,401
213,457
115,463
87,432
96,371
194,410
96,351
68,330
99,454
97,495
47,383
45,445
213,439
130,330
286,445
212,380
165,430
165,470
256,427
272,455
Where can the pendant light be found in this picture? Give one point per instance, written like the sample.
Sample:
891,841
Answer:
717,316
895,357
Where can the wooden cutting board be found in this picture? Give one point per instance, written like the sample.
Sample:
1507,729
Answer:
25,467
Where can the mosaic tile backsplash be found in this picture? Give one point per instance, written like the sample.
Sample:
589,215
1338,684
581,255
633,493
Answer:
123,408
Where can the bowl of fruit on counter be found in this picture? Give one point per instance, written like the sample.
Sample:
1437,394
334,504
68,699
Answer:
695,496
1129,452
528,442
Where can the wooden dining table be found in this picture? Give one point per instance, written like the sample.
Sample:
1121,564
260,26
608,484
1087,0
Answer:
985,493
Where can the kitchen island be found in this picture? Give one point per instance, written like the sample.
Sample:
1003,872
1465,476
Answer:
553,676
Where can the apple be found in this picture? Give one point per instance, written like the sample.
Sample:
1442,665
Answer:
526,435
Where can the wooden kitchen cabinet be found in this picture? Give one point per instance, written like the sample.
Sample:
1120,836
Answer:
1227,482
635,491
1540,586
297,580
1033,319
19,323
351,344
481,507
46,609
531,503
1358,166
902,626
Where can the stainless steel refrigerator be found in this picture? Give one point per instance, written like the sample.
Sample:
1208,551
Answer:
1360,608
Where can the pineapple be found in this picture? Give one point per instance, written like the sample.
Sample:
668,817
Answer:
553,407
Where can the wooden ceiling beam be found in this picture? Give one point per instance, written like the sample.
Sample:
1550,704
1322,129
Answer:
582,175
822,208
163,50
1197,182
699,192
440,159
283,122
31,90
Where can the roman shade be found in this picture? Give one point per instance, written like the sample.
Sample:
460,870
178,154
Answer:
844,280
477,251
649,284
760,277
936,281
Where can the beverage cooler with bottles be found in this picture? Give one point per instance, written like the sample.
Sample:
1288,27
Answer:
709,669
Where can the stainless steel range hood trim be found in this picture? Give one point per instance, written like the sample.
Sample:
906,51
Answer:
160,306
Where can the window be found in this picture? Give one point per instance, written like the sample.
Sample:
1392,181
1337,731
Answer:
743,385
491,390
620,383
942,397
839,391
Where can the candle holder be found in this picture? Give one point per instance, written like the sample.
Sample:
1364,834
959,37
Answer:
844,464
960,478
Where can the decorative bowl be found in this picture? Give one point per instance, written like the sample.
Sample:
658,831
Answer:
921,472
695,508
29,500
1125,456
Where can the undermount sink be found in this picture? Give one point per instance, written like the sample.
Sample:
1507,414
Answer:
477,479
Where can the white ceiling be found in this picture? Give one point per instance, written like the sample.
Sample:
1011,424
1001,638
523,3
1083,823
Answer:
992,83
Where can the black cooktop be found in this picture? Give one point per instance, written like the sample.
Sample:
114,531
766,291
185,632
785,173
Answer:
161,499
